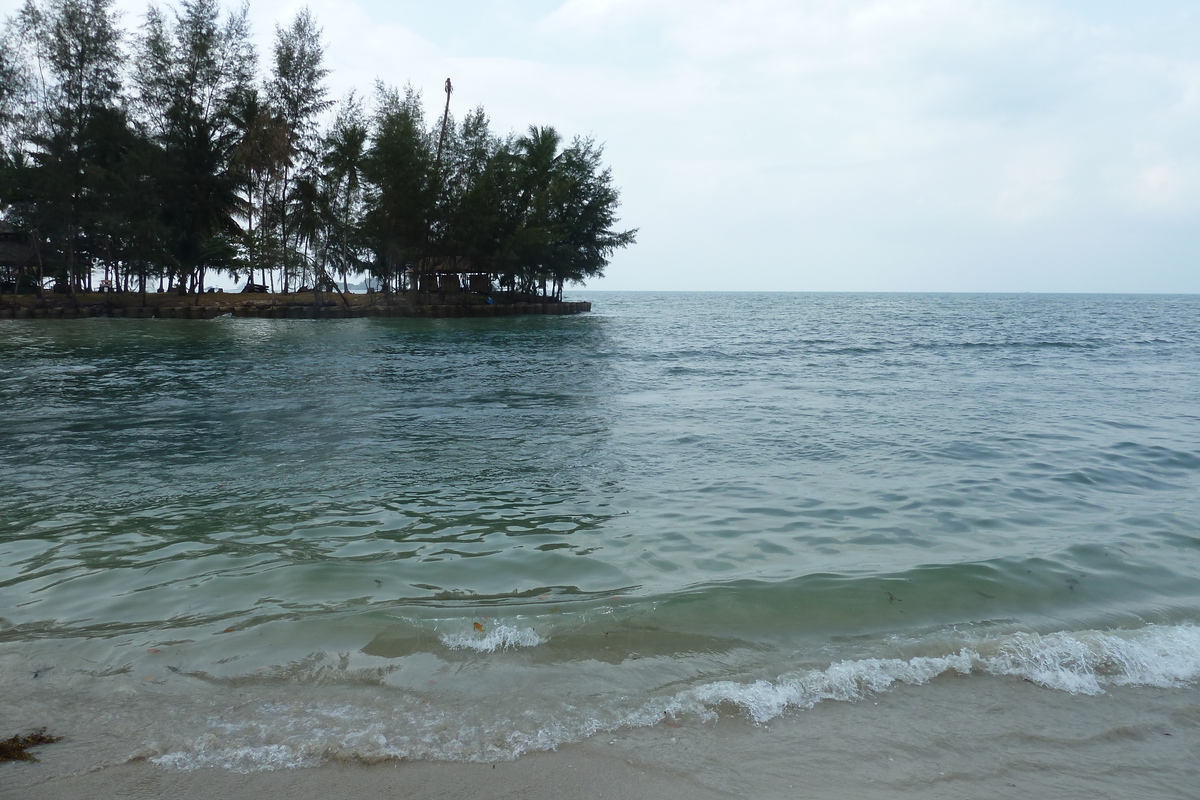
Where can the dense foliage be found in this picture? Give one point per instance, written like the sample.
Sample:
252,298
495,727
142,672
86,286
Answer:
163,156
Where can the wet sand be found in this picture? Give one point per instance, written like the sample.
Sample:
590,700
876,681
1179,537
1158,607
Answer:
971,737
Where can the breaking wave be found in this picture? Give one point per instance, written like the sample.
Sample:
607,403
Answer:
296,735
1079,663
501,637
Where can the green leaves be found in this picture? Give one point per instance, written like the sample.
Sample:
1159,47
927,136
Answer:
162,154
525,209
399,172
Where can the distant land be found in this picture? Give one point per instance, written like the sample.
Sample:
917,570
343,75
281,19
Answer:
128,167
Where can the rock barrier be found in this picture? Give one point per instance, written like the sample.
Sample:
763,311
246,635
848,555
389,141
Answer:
431,311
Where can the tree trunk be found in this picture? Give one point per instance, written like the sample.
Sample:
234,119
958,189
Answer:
37,250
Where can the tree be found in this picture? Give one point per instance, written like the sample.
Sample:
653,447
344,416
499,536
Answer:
484,210
566,208
525,208
399,171
298,94
343,151
193,73
12,84
260,157
70,105
194,168
19,114
583,211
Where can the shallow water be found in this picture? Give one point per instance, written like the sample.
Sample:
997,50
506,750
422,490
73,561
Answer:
268,543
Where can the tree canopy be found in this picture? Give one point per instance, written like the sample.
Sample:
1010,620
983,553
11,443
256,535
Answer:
166,155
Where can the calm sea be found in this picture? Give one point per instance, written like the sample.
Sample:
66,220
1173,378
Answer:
260,544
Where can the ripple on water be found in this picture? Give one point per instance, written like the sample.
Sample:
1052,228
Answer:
662,442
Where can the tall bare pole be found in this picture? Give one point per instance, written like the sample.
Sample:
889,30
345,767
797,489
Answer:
437,162
445,120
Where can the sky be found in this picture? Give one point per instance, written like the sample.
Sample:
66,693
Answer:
833,145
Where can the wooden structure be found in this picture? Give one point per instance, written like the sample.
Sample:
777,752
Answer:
17,257
453,274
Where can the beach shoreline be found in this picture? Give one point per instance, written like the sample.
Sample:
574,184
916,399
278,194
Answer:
584,770
957,737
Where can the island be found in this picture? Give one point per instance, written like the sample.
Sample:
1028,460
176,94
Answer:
136,166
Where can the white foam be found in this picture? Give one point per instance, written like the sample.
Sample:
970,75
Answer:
265,758
283,735
501,637
844,681
1084,662
1078,662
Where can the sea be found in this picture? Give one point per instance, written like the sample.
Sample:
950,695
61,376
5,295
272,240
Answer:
257,544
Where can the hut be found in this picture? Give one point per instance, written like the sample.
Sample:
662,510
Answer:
18,259
450,274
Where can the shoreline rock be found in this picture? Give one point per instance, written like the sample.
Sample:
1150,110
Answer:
288,307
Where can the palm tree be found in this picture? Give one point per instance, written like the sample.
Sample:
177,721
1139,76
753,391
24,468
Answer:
260,158
539,158
343,151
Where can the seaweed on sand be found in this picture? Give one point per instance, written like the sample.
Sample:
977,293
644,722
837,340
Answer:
14,749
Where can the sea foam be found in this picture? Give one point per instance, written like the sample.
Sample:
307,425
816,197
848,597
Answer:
501,637
1081,662
288,735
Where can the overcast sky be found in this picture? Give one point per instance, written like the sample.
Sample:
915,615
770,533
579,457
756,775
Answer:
880,145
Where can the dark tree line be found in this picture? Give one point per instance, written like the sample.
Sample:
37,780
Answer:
156,158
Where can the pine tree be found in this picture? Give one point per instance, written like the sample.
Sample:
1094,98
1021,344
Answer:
193,73
399,170
297,92
194,168
67,108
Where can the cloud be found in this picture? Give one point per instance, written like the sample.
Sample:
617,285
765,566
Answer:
1033,183
594,16
849,143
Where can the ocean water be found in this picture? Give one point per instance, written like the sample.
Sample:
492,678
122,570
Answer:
267,544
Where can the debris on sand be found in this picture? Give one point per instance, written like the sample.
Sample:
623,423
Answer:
14,749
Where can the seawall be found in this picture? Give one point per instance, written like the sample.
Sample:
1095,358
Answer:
288,311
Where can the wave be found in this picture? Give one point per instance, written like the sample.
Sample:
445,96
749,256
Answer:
501,637
296,733
1015,344
1078,663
